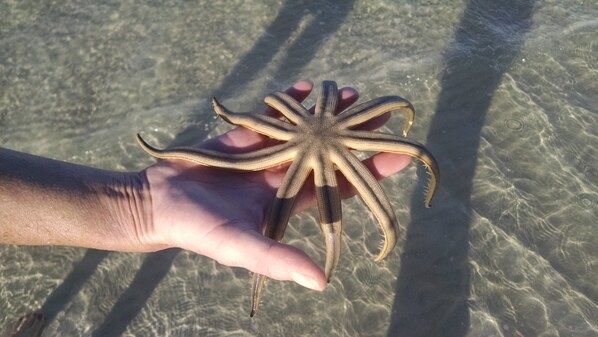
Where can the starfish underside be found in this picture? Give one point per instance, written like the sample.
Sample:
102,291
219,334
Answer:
320,142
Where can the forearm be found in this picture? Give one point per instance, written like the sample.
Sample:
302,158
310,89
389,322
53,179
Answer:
49,202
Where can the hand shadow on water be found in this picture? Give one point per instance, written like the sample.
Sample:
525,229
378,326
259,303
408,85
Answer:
82,271
433,283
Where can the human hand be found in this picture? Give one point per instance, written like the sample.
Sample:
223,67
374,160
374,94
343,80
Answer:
220,213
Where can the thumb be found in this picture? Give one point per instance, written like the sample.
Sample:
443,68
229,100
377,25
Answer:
241,246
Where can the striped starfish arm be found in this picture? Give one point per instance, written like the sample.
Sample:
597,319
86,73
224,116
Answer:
265,125
288,106
373,108
384,142
372,195
280,214
327,100
329,206
250,161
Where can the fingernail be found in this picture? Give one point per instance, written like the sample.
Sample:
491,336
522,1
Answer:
305,281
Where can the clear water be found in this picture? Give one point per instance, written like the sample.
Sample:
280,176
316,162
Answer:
506,94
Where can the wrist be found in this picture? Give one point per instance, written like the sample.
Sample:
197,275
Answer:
131,204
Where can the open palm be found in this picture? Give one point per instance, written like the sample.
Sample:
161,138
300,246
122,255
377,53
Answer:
220,213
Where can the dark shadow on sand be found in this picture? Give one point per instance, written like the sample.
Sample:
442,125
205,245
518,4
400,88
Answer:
71,285
152,271
321,18
433,284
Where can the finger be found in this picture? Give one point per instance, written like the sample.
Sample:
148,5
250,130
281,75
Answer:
244,247
381,165
241,139
347,96
299,91
374,123
384,164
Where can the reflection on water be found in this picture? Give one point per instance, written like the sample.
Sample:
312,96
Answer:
506,96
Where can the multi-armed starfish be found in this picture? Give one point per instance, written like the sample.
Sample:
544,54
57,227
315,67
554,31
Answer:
320,142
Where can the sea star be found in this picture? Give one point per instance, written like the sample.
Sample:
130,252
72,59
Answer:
320,142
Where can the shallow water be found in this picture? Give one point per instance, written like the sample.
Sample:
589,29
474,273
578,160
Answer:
506,97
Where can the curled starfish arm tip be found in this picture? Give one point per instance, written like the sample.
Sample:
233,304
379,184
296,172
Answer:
258,287
147,148
221,111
